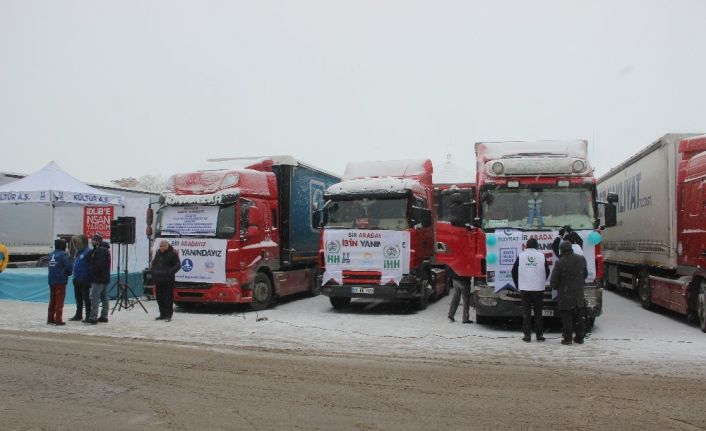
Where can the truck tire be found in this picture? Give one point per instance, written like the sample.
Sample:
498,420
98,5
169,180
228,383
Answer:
262,293
315,288
701,306
339,302
643,290
422,301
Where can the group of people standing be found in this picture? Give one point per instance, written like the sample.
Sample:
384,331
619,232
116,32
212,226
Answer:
530,273
90,268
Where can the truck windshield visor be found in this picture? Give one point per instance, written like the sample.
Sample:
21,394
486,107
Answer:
368,213
538,209
196,220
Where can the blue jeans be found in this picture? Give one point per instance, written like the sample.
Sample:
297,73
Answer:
99,291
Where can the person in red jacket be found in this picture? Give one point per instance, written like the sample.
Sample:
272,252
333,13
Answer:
60,267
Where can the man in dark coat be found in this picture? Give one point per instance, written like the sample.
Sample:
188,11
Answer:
82,278
568,280
165,265
99,268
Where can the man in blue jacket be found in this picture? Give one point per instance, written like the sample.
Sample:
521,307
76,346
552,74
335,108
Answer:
60,267
99,267
82,277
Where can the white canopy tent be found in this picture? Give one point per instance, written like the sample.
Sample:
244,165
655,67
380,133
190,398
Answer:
53,186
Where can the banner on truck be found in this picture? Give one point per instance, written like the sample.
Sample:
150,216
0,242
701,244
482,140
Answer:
190,220
202,260
366,250
96,220
507,244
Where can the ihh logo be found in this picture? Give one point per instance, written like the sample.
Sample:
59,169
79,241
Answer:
187,265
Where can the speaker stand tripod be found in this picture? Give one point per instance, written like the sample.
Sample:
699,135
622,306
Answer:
124,301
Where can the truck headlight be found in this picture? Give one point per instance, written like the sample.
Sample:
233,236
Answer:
230,282
488,302
497,168
578,166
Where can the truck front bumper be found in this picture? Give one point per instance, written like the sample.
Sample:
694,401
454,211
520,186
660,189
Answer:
491,305
386,292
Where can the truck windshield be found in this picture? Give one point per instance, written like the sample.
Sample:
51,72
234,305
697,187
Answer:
536,209
368,213
201,221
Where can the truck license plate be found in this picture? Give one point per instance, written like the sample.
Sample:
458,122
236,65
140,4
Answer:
366,290
548,313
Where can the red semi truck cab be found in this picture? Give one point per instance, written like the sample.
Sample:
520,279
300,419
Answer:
460,244
377,239
534,189
246,234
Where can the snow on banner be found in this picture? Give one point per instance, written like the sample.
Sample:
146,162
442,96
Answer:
96,220
364,250
202,260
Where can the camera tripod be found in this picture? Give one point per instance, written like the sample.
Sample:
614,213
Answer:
123,300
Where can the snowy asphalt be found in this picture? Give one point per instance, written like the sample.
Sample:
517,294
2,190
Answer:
626,337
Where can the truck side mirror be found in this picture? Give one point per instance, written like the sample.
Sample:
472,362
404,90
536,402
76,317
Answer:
421,216
611,215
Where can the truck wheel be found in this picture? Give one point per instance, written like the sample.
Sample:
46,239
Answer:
422,301
315,289
701,306
262,292
643,290
339,302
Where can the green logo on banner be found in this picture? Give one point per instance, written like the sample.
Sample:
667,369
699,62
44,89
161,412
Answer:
333,258
392,264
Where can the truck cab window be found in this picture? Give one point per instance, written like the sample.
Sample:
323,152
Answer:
226,221
244,206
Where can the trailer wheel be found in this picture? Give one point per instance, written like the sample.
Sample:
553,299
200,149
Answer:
701,306
643,290
339,302
262,292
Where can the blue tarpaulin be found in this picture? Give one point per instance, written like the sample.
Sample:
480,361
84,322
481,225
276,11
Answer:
30,284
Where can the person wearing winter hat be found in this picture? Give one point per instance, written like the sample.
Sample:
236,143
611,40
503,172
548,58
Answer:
568,280
99,268
60,267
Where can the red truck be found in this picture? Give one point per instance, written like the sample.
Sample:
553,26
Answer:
245,234
378,237
535,189
658,248
460,244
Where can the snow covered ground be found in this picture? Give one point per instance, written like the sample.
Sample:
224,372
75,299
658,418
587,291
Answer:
625,339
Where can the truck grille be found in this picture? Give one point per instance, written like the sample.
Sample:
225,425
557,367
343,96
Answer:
361,277
186,285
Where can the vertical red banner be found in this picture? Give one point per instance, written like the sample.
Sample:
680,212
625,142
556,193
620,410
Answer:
96,220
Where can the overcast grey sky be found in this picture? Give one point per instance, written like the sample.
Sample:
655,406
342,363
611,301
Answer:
110,89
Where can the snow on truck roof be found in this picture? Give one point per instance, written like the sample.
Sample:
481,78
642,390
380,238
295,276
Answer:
230,163
377,185
389,168
495,150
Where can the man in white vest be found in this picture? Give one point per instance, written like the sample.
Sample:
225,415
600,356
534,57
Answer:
530,273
